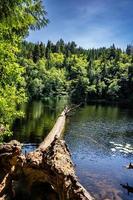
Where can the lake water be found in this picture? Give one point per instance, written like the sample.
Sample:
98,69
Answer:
100,139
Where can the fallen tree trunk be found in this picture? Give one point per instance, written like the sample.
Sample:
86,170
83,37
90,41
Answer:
46,173
56,131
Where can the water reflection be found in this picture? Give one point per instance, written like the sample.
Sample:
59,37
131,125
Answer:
128,188
38,121
101,141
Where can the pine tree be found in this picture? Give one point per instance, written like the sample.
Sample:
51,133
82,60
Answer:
48,49
42,50
36,53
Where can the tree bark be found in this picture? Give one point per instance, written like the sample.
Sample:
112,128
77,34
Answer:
56,131
48,171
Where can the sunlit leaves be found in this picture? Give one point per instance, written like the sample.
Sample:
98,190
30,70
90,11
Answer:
16,18
20,15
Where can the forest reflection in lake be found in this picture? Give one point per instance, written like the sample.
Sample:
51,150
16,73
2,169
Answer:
100,139
39,119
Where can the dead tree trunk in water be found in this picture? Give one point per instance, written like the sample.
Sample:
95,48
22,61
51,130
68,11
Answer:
56,131
46,173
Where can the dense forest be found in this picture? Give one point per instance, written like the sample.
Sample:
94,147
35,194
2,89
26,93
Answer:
39,71
57,69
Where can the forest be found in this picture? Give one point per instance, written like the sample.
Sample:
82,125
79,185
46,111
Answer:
64,68
38,71
58,95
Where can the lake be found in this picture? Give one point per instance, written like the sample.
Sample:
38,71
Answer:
100,139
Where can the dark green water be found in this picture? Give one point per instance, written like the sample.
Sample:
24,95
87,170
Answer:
100,139
38,121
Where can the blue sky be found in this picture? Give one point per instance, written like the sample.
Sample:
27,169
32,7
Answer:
90,23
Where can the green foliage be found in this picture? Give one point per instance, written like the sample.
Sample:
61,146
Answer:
56,60
42,82
55,83
104,73
113,89
12,84
39,70
17,17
